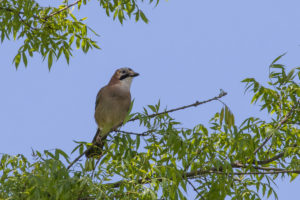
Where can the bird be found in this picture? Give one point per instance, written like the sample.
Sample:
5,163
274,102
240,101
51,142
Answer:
112,106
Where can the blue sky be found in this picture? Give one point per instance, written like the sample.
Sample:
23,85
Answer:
188,51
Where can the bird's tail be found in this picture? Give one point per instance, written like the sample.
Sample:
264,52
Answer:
98,144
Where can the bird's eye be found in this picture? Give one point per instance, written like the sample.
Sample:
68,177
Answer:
123,72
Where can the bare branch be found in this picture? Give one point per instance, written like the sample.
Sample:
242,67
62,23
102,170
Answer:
197,103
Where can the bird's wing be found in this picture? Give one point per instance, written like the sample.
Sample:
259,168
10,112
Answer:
99,97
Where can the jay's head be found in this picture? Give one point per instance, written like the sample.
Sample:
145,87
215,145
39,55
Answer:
125,73
123,76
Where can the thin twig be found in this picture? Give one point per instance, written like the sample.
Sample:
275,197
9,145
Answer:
17,12
197,173
191,161
76,159
276,157
194,188
278,126
59,11
269,172
239,165
145,133
197,103
24,22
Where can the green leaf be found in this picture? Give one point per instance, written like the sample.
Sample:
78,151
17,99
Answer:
76,148
137,16
144,18
152,108
50,59
17,59
221,115
61,152
290,75
82,19
24,59
78,42
2,36
121,16
269,193
293,176
129,116
67,55
138,139
276,59
115,14
71,40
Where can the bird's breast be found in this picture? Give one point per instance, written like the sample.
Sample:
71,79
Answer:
112,110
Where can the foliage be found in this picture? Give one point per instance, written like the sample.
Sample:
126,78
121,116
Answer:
167,160
51,31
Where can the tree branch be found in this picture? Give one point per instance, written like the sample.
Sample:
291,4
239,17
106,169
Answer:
145,133
61,10
17,12
194,174
194,188
24,22
197,103
276,157
76,159
239,165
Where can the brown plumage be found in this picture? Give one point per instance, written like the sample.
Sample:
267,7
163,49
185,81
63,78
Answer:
112,105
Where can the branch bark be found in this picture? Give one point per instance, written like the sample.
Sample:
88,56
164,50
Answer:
194,174
197,103
276,157
145,133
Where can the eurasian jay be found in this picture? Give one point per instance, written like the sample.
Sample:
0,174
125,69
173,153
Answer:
112,106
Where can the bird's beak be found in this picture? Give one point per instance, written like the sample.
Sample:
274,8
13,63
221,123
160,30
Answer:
134,74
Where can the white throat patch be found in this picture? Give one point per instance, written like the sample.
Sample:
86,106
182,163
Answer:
126,83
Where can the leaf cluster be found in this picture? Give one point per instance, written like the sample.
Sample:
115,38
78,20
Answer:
53,31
